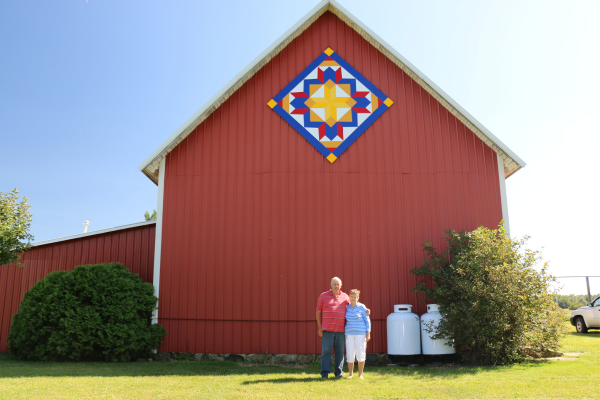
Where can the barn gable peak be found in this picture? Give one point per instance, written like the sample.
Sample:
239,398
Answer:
150,166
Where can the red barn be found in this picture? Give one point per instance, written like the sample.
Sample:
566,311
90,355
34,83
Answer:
329,155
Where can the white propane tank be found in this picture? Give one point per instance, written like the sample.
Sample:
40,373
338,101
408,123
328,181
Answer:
403,331
433,347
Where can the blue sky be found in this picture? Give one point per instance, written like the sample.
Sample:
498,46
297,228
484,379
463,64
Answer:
89,89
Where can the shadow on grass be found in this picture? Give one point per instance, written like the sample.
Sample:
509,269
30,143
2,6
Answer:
287,380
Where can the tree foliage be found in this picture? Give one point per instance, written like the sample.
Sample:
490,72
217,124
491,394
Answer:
15,221
96,312
150,217
496,304
572,301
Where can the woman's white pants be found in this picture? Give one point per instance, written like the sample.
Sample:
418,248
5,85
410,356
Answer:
356,347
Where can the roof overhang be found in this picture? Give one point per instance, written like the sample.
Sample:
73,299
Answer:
150,166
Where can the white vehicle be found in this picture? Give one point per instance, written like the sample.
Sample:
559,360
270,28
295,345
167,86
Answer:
587,317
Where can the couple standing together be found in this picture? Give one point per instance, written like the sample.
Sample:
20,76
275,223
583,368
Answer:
342,320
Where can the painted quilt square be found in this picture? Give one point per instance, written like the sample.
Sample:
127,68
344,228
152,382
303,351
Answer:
331,104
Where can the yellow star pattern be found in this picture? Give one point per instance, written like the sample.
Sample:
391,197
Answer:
330,102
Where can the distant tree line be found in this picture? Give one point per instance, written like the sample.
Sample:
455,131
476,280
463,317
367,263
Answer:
572,301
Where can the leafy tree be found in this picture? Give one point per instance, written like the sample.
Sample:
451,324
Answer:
150,217
15,221
98,312
572,301
496,305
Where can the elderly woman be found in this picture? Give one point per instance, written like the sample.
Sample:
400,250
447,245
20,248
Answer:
358,333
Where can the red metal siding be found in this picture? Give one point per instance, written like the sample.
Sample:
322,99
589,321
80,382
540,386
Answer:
257,222
132,247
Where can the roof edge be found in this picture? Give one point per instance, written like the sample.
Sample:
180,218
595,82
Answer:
92,233
221,96
512,162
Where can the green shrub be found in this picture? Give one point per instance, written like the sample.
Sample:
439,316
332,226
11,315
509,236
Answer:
98,312
496,304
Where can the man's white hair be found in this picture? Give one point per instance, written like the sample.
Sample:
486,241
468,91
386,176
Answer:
335,278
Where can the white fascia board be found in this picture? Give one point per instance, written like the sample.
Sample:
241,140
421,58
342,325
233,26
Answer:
231,84
92,233
421,75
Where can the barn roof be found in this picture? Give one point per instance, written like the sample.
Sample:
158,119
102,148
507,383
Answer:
92,233
150,166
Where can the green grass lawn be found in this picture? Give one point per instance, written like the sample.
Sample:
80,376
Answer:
219,380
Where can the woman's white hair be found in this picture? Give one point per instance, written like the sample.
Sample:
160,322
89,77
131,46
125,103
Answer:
335,278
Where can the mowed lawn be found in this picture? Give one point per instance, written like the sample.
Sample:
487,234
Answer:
226,380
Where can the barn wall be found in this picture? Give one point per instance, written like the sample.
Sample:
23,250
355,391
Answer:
133,247
257,222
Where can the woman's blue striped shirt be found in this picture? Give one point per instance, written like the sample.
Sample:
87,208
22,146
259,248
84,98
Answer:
357,320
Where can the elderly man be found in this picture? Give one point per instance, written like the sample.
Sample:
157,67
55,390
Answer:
331,316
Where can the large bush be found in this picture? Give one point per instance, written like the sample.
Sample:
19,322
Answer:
95,312
495,301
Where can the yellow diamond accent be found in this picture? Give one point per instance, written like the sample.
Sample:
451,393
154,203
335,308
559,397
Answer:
329,52
272,103
331,158
388,102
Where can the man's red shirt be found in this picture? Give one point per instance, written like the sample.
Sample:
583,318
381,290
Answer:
333,310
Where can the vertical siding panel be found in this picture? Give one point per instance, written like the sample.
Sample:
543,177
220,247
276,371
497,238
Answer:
429,135
265,205
463,146
408,222
305,272
454,144
246,257
438,137
277,124
254,197
183,243
405,116
7,284
446,140
230,297
419,128
237,226
370,276
346,252
144,243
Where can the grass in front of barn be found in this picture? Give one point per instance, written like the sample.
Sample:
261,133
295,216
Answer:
223,380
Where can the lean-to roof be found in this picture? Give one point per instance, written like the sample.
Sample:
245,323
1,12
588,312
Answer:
150,166
92,233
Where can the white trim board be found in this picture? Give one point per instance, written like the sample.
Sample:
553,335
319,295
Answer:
503,198
150,165
158,235
92,233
